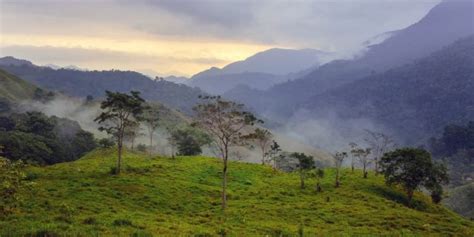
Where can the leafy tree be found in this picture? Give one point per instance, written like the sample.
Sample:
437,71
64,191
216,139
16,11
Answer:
83,142
274,153
131,134
225,122
338,159
120,112
413,168
26,146
305,164
36,123
12,182
151,119
262,138
189,141
354,147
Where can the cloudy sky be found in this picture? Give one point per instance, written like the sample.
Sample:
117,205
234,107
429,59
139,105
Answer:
183,37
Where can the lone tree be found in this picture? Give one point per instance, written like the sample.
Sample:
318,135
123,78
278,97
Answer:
354,147
151,119
363,156
262,138
413,168
305,164
120,112
338,159
274,153
225,122
379,143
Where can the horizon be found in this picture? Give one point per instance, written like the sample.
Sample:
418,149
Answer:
191,38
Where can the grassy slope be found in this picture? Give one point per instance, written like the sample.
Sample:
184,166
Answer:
162,196
15,89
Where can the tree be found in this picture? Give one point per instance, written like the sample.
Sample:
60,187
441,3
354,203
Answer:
151,119
319,174
413,168
83,142
305,164
262,138
363,157
225,122
354,147
338,159
106,142
379,143
131,133
189,140
121,112
274,153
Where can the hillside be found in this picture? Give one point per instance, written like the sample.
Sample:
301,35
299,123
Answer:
163,196
94,83
416,100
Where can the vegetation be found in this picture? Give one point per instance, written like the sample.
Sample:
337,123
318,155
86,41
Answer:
413,168
36,138
225,122
120,116
305,164
189,140
170,197
262,138
338,160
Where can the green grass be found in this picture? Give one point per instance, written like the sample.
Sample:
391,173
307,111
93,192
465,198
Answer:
15,89
164,196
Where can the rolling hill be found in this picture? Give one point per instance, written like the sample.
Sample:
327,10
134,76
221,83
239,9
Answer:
167,197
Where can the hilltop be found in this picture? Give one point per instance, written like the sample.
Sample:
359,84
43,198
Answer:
164,196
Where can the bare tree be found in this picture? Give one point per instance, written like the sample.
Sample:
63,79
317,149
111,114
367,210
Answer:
262,138
274,153
379,143
363,157
338,159
353,146
225,121
151,119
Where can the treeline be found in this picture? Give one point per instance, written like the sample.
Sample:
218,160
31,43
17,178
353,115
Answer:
36,138
456,147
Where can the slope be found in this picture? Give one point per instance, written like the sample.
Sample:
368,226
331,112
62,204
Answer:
163,196
416,100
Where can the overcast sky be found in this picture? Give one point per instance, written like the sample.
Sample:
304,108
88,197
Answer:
183,37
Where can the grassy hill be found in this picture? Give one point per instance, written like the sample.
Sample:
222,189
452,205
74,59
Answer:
15,89
164,196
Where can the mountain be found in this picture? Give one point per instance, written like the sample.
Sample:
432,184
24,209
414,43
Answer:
444,24
417,100
177,80
94,83
260,71
181,197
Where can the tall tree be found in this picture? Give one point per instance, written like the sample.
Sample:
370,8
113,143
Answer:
225,122
262,138
120,111
274,153
338,159
151,119
319,174
413,168
363,156
305,164
379,143
353,147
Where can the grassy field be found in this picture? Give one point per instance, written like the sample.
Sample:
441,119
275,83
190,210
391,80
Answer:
164,196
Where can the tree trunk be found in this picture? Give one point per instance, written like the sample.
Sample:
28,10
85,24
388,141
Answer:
337,178
376,166
318,187
151,143
352,164
224,181
365,171
410,196
119,160
301,180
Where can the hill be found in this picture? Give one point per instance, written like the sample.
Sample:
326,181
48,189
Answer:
416,100
164,196
94,83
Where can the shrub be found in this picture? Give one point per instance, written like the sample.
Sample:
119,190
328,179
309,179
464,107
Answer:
122,222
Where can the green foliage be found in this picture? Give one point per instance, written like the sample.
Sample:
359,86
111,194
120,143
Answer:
180,197
11,184
413,168
106,142
305,164
189,140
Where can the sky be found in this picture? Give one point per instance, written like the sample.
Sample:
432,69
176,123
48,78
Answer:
184,37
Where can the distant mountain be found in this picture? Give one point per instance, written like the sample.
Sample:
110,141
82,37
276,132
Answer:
445,23
94,83
72,67
177,80
11,61
417,100
259,71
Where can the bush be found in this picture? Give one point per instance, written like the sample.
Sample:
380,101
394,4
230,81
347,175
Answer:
122,222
